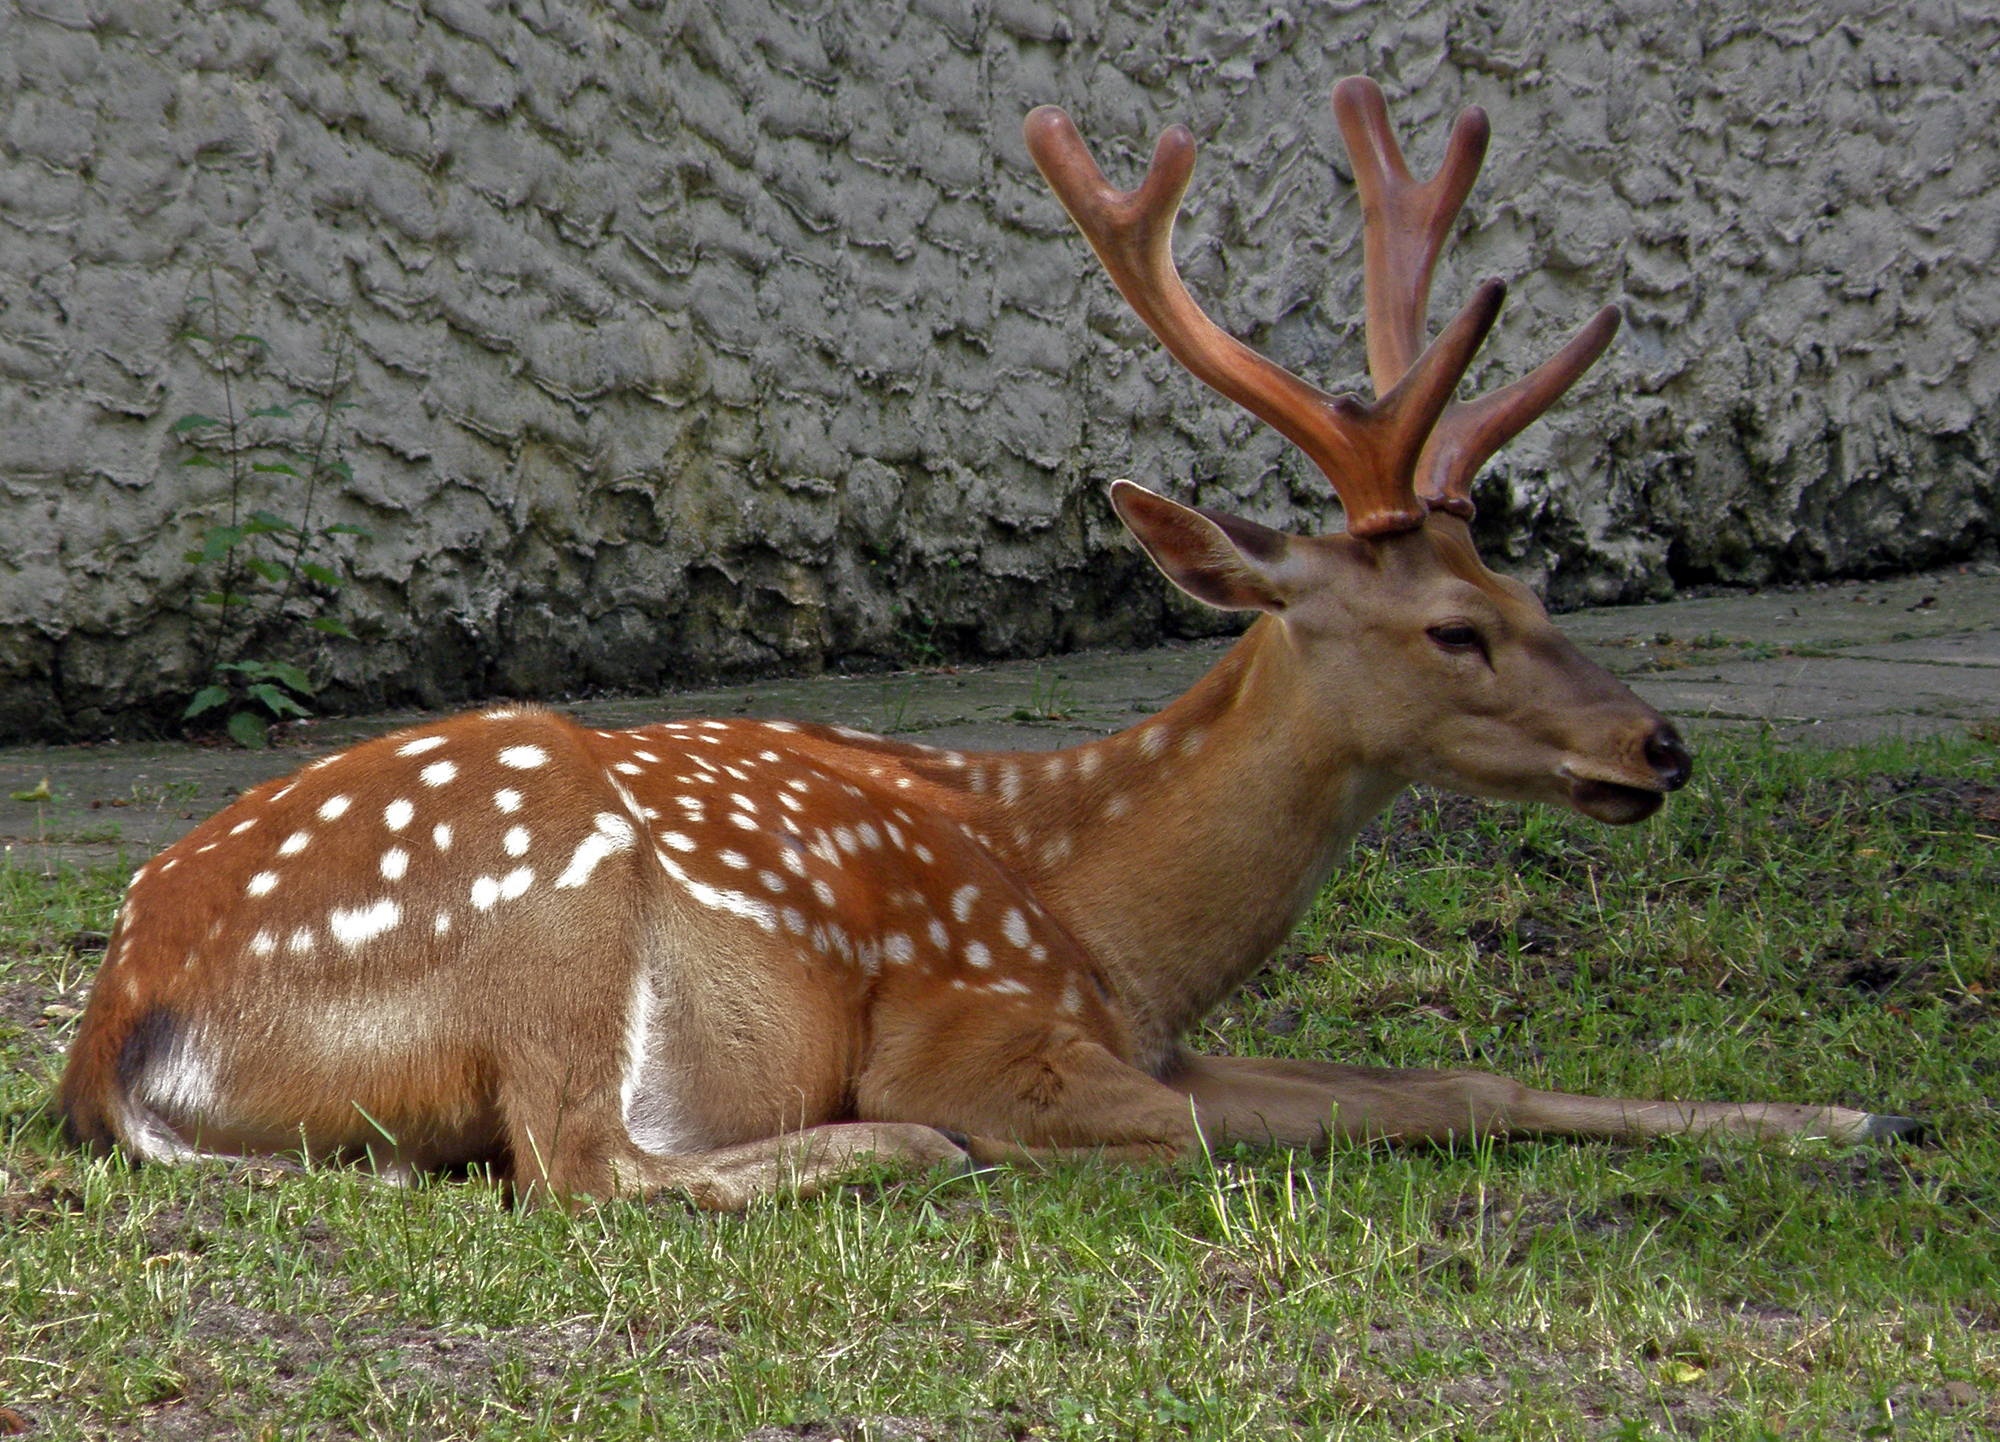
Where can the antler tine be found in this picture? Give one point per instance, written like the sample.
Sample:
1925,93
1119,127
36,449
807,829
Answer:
1368,451
1470,432
1404,229
1404,225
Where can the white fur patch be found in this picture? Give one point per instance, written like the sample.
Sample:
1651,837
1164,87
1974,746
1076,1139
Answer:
352,927
613,834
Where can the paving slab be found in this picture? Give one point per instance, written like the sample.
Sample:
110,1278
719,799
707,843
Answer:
1837,664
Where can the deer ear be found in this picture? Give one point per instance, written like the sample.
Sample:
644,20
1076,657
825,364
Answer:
1224,561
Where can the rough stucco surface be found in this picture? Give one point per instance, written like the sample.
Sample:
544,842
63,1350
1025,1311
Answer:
700,338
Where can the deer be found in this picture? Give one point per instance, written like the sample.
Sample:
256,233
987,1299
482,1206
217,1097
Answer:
730,958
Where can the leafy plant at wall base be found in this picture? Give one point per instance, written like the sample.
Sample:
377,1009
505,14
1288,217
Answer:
271,576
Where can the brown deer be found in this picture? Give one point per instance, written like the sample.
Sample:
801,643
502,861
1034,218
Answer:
726,956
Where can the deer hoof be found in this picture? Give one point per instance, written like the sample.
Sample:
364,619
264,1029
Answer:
1883,1127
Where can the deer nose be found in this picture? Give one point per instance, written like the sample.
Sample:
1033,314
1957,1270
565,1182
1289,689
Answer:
1668,756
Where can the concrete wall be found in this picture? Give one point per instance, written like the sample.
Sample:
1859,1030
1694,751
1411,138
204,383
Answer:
715,337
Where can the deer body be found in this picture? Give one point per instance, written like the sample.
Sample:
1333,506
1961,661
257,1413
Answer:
723,956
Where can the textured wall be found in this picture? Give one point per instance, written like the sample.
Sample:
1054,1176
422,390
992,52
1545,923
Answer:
734,335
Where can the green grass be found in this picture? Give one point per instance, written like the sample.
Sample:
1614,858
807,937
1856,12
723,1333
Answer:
1795,926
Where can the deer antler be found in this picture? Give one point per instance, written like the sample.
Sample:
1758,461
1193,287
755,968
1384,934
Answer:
1369,451
1404,227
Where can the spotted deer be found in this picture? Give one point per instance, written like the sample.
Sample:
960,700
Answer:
724,957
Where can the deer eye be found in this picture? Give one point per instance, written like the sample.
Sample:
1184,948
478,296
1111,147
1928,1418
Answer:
1456,636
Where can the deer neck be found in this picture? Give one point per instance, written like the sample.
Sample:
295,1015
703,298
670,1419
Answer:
1183,851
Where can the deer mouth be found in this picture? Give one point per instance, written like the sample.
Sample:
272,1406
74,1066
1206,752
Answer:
1613,802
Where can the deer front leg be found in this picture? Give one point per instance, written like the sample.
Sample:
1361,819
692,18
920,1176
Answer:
1021,1087
1278,1102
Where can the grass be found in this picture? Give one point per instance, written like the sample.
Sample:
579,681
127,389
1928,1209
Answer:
1796,925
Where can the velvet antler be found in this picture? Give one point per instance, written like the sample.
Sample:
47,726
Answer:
1413,447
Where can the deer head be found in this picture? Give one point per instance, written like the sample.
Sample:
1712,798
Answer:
1422,663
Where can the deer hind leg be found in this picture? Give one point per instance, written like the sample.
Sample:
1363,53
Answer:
798,1164
1301,1103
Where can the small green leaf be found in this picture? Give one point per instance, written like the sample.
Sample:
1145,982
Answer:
248,730
198,459
340,468
324,575
36,793
219,541
193,558
206,699
244,335
283,413
224,598
331,626
269,570
344,528
276,701
273,468
290,675
192,423
270,522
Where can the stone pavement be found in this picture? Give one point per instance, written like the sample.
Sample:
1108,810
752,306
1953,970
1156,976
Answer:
1829,665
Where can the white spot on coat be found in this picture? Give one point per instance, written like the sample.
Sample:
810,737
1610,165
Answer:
261,883
291,846
438,772
397,814
395,861
523,758
614,833
419,746
242,826
515,842
333,808
352,927
1015,926
441,836
961,902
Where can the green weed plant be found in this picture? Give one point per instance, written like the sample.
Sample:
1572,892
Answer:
263,578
